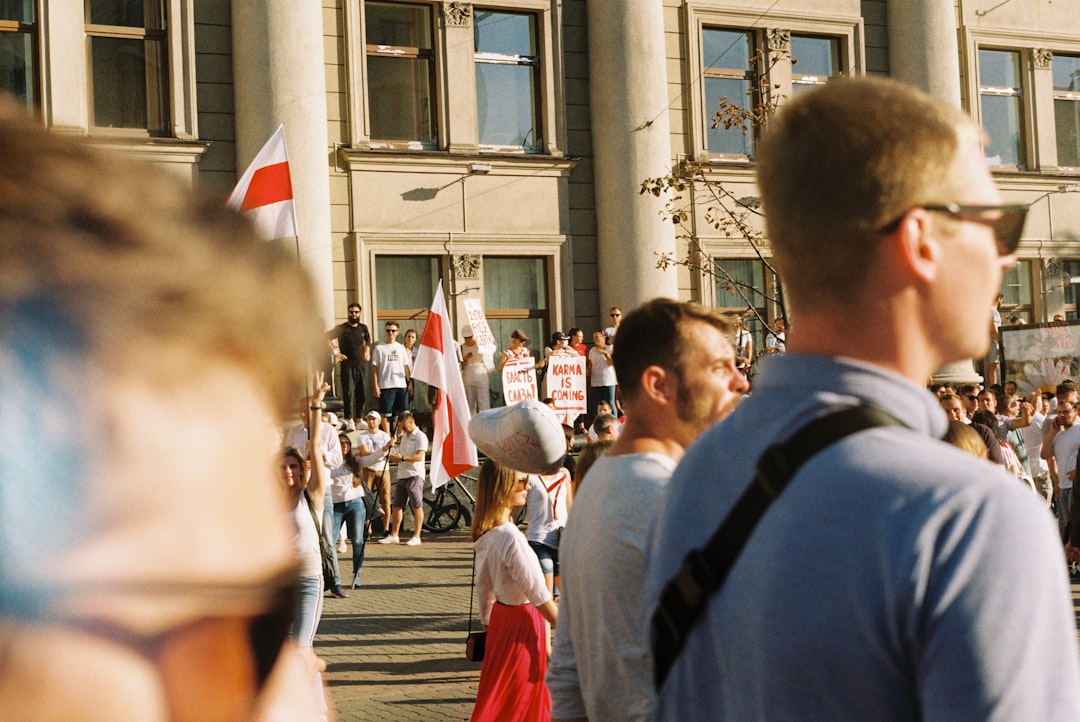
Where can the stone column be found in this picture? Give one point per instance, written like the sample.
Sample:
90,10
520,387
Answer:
279,78
631,141
924,52
923,47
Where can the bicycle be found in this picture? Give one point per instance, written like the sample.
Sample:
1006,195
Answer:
444,511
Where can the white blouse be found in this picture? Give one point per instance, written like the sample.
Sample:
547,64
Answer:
507,571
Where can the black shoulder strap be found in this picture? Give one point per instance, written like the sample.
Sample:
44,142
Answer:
687,594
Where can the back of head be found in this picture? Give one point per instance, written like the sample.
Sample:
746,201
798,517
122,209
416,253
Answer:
840,162
966,438
139,322
656,334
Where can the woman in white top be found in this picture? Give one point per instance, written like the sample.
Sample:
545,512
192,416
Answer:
304,486
514,604
549,504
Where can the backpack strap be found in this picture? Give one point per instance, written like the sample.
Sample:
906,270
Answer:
686,595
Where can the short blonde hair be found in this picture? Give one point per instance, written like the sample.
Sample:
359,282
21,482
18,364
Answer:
839,163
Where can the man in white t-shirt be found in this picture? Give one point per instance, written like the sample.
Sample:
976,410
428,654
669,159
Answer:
391,369
409,452
372,446
1061,444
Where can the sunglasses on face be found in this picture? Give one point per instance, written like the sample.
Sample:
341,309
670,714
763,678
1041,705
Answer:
267,630
1006,220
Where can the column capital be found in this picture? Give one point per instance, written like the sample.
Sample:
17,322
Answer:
457,14
1042,57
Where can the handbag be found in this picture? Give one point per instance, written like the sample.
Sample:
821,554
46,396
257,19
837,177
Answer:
326,551
371,508
476,641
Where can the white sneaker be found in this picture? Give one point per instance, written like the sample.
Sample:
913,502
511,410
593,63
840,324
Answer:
341,548
389,540
413,541
350,425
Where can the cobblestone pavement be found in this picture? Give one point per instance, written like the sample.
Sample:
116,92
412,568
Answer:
395,649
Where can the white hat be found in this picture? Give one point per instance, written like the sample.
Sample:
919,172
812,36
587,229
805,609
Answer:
466,331
373,413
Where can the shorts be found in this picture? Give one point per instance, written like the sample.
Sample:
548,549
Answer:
393,401
411,490
548,556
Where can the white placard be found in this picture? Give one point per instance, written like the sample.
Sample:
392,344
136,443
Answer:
482,334
565,383
519,380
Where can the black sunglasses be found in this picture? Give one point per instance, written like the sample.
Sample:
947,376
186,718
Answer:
1006,220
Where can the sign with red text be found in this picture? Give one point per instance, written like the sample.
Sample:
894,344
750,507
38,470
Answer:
519,379
482,334
565,383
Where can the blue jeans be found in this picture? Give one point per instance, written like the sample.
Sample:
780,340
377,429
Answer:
308,611
354,515
330,531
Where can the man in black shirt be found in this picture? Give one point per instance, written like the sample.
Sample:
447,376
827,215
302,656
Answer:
354,352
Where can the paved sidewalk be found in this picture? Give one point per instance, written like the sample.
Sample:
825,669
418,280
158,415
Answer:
395,649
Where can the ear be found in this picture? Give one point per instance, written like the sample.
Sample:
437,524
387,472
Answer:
659,385
915,247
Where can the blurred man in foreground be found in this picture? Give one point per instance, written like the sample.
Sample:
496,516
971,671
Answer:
146,568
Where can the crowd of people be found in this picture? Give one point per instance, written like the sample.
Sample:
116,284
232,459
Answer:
697,563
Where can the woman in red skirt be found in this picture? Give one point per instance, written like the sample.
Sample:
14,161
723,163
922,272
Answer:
514,604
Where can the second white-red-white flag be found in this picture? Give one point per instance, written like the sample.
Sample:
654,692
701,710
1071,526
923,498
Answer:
452,451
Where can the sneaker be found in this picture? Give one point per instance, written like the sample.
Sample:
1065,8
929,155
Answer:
389,540
350,425
341,548
337,591
413,541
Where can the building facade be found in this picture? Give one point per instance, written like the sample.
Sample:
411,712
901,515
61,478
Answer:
500,146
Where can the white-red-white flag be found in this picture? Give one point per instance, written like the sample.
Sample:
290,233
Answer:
265,192
452,451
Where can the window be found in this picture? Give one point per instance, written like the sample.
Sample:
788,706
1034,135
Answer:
740,288
401,73
728,79
1016,288
1000,98
18,50
1071,269
1066,71
507,80
814,61
127,65
515,296
404,288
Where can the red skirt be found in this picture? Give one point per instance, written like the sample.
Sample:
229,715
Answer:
512,684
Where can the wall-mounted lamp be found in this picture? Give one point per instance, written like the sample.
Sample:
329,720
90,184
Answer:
480,168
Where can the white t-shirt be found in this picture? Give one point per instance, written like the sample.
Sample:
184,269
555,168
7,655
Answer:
1066,444
390,361
410,444
603,371
374,440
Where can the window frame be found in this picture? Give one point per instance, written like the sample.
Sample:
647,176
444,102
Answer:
19,27
1021,92
399,51
455,101
1071,96
513,59
770,31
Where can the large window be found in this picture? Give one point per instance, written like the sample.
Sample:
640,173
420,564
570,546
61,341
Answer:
401,73
740,288
1016,288
515,296
507,79
1001,106
814,61
18,50
404,288
127,65
728,79
1066,69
